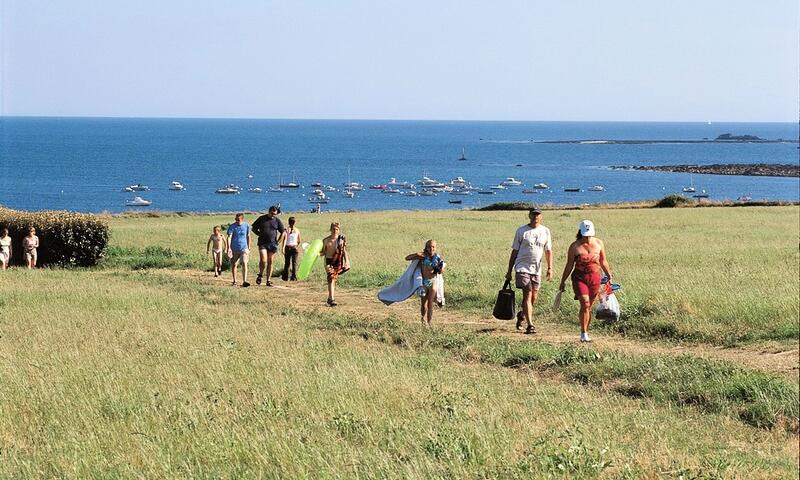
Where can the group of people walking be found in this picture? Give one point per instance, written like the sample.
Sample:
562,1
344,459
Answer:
272,237
30,244
531,252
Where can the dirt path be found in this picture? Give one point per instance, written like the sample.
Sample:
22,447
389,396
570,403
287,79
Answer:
311,297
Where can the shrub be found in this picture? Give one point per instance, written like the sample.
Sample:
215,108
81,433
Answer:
672,201
66,238
507,206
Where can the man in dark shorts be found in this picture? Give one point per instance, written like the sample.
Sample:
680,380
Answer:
269,229
531,243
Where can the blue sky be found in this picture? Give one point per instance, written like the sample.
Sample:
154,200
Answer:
503,60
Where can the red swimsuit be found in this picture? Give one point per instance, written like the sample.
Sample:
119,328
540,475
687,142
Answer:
587,275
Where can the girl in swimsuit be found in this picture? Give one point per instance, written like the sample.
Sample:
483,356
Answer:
432,265
586,259
216,244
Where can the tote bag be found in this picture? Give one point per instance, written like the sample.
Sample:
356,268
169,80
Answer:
505,306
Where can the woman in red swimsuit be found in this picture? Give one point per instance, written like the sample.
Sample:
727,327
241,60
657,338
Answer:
586,260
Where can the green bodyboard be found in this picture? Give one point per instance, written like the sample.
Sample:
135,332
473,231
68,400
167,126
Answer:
310,257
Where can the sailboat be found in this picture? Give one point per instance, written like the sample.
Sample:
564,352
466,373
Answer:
348,191
279,186
463,154
292,184
690,189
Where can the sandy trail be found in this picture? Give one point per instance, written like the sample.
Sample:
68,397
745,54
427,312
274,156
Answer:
310,297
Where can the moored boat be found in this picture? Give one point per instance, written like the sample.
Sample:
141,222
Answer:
138,202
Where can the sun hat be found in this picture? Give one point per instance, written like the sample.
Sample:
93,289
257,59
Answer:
587,228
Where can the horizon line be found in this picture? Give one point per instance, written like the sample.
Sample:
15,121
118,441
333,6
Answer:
125,117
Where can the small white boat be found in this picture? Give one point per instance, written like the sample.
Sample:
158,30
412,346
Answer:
347,193
391,190
138,202
690,188
176,186
409,193
511,182
329,188
459,191
458,182
275,189
497,187
744,198
427,193
392,182
250,177
228,189
377,186
597,188
139,187
353,186
541,186
318,196
530,190
255,190
127,189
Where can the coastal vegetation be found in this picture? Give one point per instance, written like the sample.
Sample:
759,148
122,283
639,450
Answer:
148,366
70,238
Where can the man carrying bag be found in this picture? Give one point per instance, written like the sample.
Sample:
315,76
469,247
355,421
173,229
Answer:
531,243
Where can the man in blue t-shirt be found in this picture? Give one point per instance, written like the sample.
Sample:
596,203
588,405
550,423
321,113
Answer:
239,246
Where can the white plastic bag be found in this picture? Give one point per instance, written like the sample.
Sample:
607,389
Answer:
608,307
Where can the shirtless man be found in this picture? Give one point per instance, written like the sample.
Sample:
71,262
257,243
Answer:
333,249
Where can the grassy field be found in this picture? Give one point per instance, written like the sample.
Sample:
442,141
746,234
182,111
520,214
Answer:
722,276
138,369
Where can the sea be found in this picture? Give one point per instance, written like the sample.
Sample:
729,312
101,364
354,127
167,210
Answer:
84,164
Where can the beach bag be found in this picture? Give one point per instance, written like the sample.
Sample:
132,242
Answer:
505,305
608,307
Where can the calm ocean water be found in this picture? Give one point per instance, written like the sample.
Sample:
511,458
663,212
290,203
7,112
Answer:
83,164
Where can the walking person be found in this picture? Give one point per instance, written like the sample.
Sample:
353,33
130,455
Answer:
268,228
293,240
30,244
5,249
216,245
586,259
531,242
432,265
334,249
239,247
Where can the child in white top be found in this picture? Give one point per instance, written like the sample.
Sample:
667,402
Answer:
5,249
29,246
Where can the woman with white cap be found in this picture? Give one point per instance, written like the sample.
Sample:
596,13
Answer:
586,259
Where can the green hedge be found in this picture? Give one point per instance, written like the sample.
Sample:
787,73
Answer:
65,238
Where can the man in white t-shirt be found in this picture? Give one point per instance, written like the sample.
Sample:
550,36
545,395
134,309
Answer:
531,243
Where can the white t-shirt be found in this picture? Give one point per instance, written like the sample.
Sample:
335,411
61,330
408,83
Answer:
5,243
531,244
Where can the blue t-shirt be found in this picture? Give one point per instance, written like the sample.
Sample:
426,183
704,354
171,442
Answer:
238,234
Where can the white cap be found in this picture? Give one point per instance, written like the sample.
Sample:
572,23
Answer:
587,228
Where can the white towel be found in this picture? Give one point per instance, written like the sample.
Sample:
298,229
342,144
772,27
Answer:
410,283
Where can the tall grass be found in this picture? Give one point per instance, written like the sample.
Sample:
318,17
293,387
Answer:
130,373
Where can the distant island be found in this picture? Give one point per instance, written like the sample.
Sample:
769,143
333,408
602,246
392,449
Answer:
724,138
751,169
